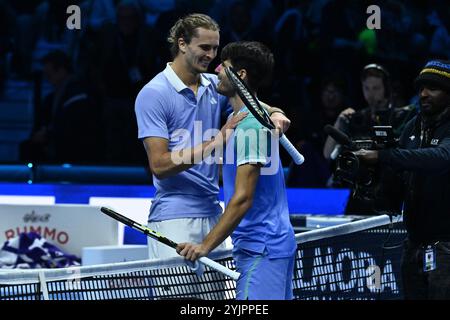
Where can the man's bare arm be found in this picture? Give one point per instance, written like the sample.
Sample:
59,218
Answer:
246,179
164,163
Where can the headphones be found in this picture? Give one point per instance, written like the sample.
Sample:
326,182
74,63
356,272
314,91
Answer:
385,77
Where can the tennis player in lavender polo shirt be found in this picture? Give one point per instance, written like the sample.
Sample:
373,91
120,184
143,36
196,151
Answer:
179,114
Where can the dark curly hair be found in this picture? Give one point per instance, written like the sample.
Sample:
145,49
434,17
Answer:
252,56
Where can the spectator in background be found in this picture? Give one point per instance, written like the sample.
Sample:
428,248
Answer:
395,42
98,12
331,102
50,32
66,128
261,13
342,22
239,26
288,34
332,97
6,26
289,90
24,32
122,62
402,43
310,35
156,8
440,38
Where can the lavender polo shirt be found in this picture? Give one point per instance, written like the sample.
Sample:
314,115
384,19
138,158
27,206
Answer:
166,108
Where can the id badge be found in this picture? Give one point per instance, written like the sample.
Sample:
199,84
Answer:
429,258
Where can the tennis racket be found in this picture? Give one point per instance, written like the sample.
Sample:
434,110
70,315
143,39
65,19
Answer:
155,235
260,113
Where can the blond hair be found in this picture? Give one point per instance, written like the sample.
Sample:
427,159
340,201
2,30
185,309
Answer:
186,28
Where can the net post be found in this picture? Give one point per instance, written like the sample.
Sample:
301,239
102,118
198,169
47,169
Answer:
43,284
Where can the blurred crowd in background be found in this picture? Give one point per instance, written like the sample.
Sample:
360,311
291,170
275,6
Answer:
85,81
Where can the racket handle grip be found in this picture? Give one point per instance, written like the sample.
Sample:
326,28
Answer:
220,268
296,156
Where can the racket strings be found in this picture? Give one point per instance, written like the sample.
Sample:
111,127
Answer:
246,95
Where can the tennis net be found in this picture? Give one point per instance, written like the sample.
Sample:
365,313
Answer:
357,260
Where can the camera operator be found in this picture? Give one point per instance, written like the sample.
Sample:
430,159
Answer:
358,125
423,161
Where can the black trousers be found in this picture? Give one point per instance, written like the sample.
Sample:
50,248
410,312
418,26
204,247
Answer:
421,285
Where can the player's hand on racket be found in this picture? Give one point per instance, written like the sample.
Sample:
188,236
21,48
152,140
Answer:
280,121
191,251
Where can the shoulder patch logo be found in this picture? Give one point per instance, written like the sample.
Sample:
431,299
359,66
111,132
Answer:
434,142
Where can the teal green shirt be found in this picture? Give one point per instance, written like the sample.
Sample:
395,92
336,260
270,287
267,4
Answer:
266,225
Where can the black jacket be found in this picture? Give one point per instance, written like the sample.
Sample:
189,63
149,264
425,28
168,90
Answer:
423,157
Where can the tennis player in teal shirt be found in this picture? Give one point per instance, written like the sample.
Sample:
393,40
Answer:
256,213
